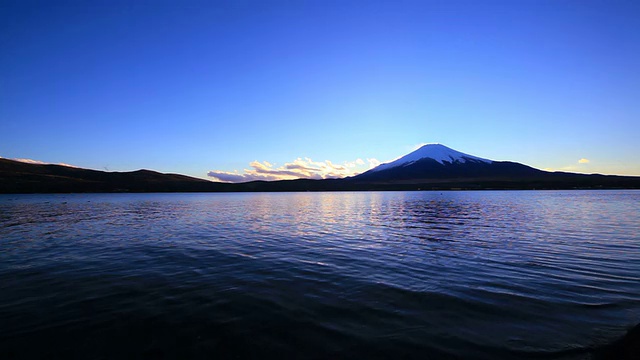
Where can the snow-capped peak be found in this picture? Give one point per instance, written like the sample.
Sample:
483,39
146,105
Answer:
437,152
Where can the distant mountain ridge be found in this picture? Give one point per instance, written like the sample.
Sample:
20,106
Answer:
21,177
431,167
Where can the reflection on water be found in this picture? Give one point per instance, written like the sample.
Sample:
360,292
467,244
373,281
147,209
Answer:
484,275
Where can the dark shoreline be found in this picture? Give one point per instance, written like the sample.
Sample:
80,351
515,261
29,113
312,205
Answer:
44,186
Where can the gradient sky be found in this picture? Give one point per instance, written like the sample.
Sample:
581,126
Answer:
198,86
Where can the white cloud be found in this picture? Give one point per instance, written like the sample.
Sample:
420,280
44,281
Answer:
373,163
30,161
300,168
579,166
38,162
235,177
418,146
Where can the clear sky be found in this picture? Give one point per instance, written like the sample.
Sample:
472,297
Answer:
282,87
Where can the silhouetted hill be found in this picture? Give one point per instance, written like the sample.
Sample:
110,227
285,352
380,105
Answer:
18,177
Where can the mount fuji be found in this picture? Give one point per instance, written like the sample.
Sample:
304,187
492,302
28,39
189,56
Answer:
436,161
437,152
431,167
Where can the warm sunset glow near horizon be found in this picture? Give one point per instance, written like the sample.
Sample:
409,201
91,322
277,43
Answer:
244,90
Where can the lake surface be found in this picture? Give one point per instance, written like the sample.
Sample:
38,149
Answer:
425,275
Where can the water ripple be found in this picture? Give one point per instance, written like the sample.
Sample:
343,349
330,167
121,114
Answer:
474,275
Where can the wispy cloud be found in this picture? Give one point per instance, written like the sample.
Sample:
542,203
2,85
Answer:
373,163
582,165
300,168
31,161
38,162
418,146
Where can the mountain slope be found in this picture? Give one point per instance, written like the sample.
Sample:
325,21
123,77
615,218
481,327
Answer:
18,177
436,166
436,161
437,152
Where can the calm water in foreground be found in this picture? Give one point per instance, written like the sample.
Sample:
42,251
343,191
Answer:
428,275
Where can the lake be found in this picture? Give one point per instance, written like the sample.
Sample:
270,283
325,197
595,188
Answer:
372,275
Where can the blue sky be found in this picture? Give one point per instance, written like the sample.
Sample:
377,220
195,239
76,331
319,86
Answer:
198,86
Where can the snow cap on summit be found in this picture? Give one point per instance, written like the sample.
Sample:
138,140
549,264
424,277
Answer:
437,152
